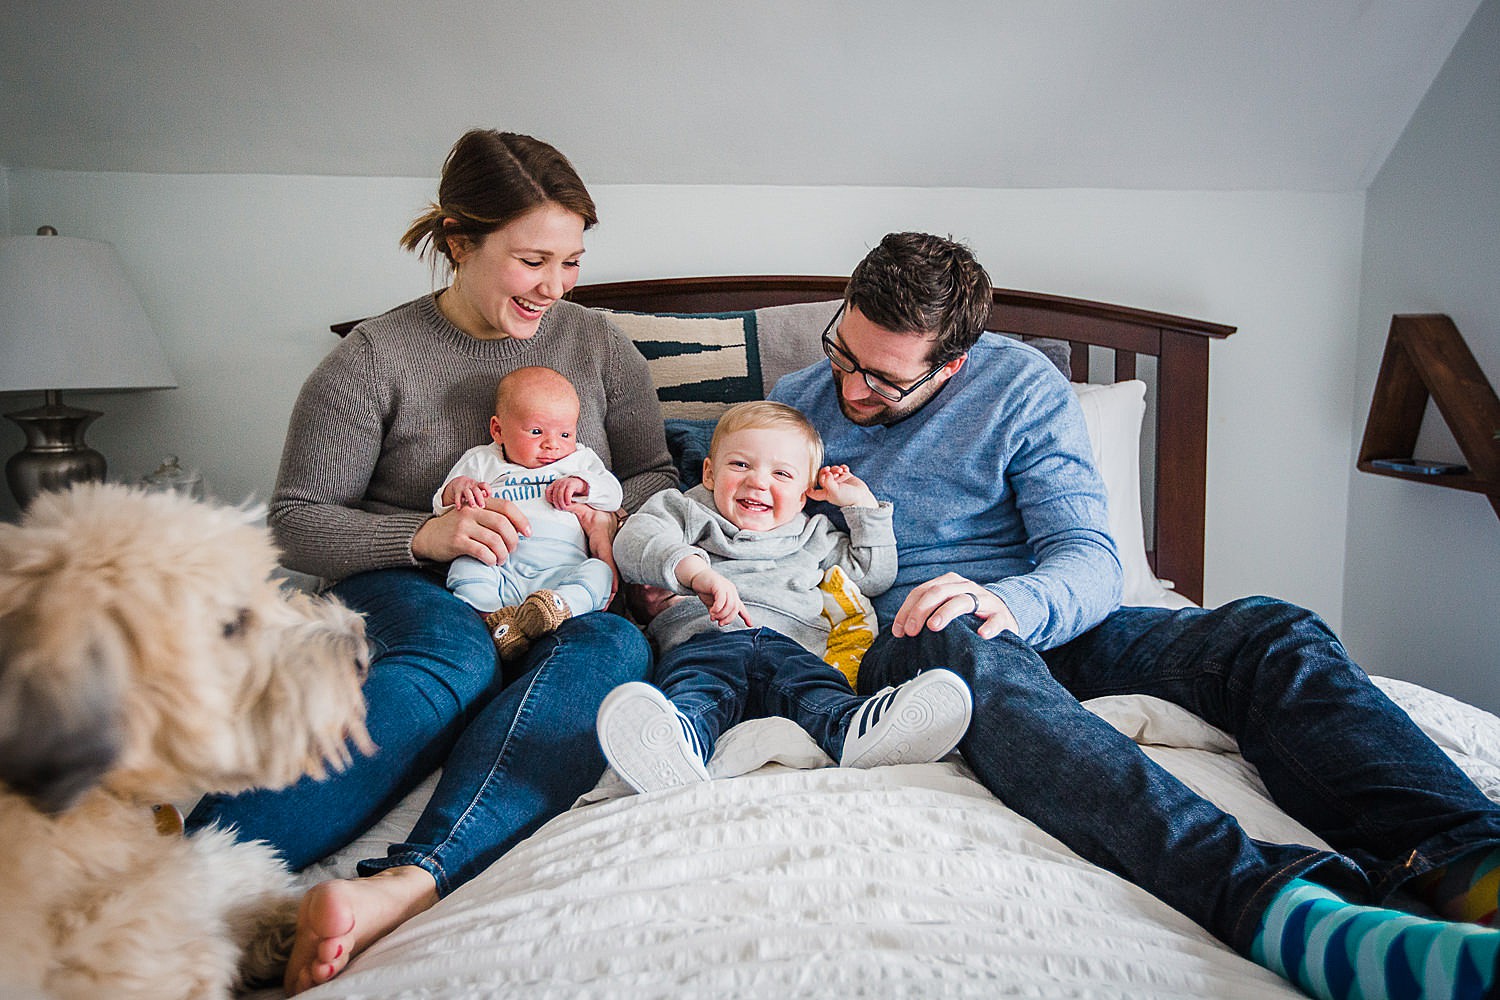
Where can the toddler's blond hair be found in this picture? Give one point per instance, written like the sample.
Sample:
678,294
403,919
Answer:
762,413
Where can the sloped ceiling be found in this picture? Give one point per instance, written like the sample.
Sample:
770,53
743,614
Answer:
1304,95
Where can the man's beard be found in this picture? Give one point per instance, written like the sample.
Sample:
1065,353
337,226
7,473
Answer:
887,414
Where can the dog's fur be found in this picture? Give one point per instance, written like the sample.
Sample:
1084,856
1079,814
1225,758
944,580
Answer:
147,656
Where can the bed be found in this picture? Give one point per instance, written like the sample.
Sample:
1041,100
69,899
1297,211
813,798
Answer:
797,878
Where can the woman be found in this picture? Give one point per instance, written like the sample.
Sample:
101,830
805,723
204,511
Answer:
374,431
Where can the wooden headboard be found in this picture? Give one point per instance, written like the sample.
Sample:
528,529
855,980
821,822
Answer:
1179,346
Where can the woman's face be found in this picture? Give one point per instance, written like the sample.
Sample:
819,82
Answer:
503,285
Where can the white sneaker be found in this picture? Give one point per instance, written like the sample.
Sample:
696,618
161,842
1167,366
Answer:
647,741
918,722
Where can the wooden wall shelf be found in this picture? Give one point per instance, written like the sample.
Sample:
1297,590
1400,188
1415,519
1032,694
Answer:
1426,357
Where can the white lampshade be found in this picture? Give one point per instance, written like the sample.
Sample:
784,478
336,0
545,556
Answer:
69,319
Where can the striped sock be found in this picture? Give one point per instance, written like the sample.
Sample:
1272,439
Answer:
1336,950
1466,889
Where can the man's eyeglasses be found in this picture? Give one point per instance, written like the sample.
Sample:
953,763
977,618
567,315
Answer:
844,362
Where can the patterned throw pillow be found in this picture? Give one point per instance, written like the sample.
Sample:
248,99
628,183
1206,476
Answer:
700,363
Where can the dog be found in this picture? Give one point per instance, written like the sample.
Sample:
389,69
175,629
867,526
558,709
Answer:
148,655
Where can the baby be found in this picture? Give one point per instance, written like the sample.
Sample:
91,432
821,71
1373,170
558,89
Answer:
535,461
750,645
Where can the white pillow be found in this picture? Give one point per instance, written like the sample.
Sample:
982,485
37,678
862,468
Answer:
1113,414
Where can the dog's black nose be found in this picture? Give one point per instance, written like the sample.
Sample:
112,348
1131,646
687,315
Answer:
54,773
57,739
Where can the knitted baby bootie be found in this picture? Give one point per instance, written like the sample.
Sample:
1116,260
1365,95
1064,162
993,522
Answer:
510,640
541,614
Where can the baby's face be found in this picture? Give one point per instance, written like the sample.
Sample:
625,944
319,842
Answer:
759,477
538,431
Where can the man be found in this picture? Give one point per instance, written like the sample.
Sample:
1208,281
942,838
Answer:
1009,577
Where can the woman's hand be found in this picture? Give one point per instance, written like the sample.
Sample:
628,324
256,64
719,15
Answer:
646,602
489,533
599,528
596,523
936,603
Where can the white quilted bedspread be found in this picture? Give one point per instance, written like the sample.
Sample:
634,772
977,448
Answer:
801,880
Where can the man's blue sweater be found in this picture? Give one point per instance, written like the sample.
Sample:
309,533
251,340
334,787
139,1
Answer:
993,479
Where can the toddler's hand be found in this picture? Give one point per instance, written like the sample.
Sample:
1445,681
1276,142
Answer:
842,488
720,597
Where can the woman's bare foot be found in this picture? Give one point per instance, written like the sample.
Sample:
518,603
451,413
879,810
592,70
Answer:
336,920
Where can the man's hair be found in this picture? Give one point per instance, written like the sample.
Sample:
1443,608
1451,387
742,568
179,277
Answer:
762,413
920,284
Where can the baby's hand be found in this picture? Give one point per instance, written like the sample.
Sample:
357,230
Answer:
562,492
463,491
842,488
720,597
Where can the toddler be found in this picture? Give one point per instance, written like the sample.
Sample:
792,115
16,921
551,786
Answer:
750,645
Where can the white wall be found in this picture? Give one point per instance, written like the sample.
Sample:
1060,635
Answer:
1422,599
242,274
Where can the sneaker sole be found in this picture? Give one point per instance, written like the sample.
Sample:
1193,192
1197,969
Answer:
931,719
643,741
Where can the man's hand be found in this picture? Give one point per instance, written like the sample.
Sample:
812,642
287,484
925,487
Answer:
489,533
835,484
936,603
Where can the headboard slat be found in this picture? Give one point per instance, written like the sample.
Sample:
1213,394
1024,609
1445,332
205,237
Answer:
1078,360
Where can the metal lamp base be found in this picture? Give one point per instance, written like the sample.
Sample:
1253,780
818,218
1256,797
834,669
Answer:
55,455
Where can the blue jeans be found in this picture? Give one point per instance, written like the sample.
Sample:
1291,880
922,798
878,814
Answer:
717,679
1334,752
516,748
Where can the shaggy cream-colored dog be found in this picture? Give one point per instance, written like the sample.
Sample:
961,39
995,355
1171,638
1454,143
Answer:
147,656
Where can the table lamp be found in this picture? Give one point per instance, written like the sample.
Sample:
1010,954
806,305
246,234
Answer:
69,319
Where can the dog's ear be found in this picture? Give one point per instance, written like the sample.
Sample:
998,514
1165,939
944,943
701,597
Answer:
60,726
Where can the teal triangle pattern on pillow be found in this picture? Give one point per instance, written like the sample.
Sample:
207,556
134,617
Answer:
701,363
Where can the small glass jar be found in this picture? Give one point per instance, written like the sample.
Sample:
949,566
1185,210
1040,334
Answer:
171,477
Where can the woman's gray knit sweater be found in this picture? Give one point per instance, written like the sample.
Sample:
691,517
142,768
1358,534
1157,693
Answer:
384,416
